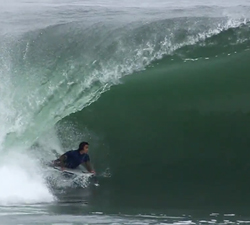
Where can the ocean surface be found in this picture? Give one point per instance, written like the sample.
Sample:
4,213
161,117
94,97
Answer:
160,90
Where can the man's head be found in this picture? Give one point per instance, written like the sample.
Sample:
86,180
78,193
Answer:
83,147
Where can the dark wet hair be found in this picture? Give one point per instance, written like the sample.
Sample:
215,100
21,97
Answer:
82,144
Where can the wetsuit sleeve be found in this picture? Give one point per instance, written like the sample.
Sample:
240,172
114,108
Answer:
86,158
68,153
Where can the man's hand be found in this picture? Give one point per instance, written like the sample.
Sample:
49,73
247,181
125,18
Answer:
92,171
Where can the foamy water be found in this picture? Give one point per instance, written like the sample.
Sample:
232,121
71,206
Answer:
21,181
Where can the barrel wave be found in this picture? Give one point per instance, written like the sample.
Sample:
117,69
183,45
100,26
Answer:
162,101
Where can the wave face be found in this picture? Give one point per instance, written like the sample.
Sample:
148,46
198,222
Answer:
182,120
151,92
184,117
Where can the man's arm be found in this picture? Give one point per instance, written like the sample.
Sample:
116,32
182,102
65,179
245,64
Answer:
62,160
88,166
